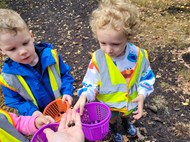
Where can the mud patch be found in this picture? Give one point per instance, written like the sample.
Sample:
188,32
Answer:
186,57
178,9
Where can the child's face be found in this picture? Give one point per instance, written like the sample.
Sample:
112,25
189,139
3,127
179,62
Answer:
19,47
112,42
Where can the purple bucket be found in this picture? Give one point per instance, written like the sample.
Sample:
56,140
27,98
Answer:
40,136
95,120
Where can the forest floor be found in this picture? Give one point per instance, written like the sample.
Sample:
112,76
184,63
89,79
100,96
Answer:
165,34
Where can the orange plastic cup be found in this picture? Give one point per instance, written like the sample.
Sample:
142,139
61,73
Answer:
56,108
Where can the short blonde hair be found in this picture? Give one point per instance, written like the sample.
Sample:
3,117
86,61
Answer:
117,14
11,21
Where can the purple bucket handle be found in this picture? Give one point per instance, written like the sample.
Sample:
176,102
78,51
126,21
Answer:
40,136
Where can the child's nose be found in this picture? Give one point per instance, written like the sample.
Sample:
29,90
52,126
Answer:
109,49
22,52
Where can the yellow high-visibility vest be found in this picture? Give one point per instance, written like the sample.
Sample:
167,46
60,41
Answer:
8,133
113,87
25,91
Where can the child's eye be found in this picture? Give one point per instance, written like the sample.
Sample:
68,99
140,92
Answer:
12,49
103,43
25,43
116,44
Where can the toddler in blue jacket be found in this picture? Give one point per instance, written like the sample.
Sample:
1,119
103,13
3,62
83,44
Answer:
32,75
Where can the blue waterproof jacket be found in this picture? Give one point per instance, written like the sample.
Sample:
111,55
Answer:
38,83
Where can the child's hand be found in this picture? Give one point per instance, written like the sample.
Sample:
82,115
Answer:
140,101
42,120
49,118
68,98
37,112
80,103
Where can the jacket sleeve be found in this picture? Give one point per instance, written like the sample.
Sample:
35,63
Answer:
66,78
24,124
14,100
146,83
90,83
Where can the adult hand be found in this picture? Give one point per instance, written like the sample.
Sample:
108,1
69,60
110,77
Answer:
70,129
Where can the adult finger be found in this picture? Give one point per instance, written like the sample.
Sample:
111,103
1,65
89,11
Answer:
78,120
68,117
48,133
62,124
76,107
73,115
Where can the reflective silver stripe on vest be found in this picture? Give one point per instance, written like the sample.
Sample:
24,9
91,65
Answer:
9,128
57,93
104,76
144,65
14,82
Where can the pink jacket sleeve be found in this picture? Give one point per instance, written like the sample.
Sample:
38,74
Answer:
24,124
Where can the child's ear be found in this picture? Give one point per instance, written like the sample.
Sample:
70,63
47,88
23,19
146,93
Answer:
32,35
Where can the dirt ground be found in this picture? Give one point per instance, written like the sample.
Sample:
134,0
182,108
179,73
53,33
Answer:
65,25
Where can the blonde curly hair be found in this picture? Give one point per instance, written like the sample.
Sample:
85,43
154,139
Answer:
11,21
116,14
